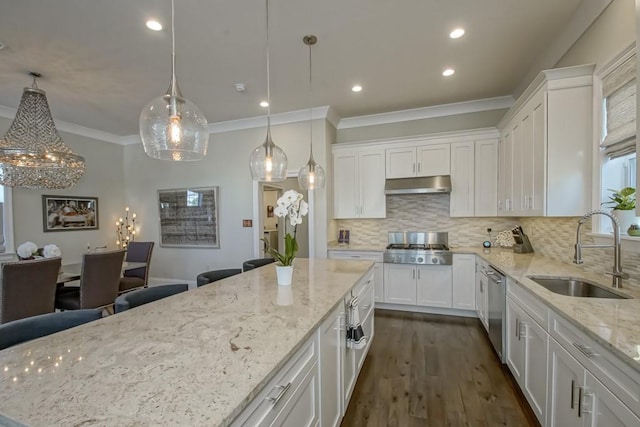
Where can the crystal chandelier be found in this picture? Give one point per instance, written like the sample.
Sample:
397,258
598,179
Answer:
268,162
32,154
311,175
171,126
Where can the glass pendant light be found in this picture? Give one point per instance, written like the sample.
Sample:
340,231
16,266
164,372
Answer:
311,176
268,162
172,127
32,154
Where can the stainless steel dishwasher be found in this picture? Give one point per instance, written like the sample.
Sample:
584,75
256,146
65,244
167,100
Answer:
497,287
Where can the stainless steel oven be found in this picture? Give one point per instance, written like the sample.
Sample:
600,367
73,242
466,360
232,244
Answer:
497,288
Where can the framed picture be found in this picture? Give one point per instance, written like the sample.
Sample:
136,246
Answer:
269,211
65,213
189,217
343,237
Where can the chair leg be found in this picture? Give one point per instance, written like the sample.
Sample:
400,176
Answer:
110,309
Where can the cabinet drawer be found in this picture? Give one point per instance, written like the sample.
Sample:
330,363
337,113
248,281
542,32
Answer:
365,301
367,327
531,304
622,380
272,398
367,280
356,255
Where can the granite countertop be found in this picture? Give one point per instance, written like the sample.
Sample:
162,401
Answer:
197,358
614,323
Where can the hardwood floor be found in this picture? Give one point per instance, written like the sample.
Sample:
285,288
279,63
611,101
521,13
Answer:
431,370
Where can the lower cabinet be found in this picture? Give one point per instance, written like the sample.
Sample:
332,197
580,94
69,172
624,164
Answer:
429,286
463,282
482,296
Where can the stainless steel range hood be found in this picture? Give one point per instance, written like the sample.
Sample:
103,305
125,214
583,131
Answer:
420,185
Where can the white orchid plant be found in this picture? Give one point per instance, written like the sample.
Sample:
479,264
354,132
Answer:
29,250
292,205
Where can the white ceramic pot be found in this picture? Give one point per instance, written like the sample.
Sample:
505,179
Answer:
284,274
625,219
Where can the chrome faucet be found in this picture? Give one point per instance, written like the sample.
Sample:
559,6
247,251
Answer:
617,273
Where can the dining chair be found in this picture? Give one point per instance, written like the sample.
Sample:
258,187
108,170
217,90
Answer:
29,328
215,275
255,263
28,288
143,296
137,277
99,282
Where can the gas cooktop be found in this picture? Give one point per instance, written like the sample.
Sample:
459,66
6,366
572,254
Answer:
423,248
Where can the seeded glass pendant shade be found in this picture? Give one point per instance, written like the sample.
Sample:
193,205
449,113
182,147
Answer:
268,162
311,176
172,127
32,154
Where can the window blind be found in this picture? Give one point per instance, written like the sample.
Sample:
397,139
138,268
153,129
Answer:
619,91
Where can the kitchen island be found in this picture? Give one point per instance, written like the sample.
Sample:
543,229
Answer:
197,358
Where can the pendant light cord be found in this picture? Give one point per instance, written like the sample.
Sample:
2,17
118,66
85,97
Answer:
268,76
173,47
310,106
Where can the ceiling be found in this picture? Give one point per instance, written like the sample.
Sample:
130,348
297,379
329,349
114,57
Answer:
101,65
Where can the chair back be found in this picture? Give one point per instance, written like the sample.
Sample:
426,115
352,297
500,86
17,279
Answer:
139,252
255,263
19,331
146,295
212,276
28,288
100,278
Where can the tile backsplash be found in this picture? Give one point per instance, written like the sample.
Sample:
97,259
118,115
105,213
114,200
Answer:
551,237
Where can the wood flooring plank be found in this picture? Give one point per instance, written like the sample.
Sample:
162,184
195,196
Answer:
433,370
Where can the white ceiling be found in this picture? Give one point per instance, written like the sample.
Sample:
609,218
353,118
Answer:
101,65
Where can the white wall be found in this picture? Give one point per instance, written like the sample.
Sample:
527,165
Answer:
104,179
227,166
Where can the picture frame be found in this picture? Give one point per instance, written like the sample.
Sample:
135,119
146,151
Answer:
189,217
69,213
343,237
269,211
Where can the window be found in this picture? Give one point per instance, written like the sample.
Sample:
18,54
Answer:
618,139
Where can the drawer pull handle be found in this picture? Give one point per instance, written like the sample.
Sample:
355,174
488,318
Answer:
282,389
584,349
579,402
573,386
366,306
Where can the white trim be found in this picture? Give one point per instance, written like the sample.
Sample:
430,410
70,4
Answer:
428,112
585,15
429,310
276,119
8,221
619,59
61,125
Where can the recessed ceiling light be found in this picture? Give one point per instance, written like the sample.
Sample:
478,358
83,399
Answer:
448,72
154,25
264,104
356,88
457,33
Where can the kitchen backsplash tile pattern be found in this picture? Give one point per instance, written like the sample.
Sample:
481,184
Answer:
550,237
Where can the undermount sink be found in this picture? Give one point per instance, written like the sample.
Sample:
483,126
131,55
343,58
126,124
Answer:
575,287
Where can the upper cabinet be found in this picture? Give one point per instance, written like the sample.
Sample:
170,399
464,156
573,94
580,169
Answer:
421,160
359,183
546,147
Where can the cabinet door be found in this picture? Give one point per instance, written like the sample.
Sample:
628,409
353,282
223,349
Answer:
331,335
348,365
345,195
506,176
434,285
463,282
535,368
486,178
378,277
434,160
601,408
566,375
462,179
515,344
373,202
399,284
526,154
515,207
537,191
401,162
301,410
479,285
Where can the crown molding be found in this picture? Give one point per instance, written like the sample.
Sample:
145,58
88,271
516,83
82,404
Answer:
276,119
61,125
428,112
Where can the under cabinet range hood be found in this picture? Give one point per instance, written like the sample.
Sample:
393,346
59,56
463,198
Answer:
419,185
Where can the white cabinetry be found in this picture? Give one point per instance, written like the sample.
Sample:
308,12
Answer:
418,285
545,163
331,335
482,294
359,183
474,178
463,281
423,160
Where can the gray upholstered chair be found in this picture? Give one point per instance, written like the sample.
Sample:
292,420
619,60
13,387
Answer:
143,296
215,275
19,331
28,288
99,282
137,277
255,263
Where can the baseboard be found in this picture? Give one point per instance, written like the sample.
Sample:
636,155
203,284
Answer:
429,310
